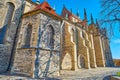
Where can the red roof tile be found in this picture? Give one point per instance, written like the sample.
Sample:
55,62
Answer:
65,11
46,7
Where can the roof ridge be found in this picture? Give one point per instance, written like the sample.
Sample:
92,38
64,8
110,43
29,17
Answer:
72,14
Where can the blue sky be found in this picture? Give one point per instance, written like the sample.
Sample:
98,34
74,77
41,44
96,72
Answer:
92,6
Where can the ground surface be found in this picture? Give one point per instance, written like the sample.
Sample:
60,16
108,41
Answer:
92,74
81,74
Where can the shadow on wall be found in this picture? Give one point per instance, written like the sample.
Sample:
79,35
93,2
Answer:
7,35
2,33
106,78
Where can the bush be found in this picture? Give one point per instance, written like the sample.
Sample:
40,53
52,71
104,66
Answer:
118,73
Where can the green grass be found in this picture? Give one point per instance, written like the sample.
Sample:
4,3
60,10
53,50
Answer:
118,73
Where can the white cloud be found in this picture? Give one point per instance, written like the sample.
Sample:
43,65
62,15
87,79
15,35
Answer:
117,41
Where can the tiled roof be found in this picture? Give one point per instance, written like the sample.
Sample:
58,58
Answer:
46,7
65,11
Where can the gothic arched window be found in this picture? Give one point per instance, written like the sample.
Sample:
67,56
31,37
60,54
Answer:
83,34
27,36
10,10
73,35
82,62
3,30
50,36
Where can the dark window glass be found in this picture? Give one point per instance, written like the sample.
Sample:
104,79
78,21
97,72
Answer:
50,36
27,38
73,35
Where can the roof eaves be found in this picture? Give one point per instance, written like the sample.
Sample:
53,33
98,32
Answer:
41,11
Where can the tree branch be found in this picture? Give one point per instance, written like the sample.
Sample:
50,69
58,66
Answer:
118,2
112,20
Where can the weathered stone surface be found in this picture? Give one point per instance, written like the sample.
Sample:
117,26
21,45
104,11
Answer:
68,47
83,51
46,43
4,57
46,58
24,62
11,20
49,64
99,52
45,23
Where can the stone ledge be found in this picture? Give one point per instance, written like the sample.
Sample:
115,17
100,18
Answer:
115,78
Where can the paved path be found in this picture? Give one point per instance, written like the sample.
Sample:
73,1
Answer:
81,74
91,74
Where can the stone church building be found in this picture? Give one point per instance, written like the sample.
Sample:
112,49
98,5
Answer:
37,42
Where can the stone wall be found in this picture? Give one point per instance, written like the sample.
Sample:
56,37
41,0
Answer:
91,51
4,57
82,49
49,63
68,47
10,31
34,22
99,51
49,53
42,59
107,52
24,62
29,5
2,12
